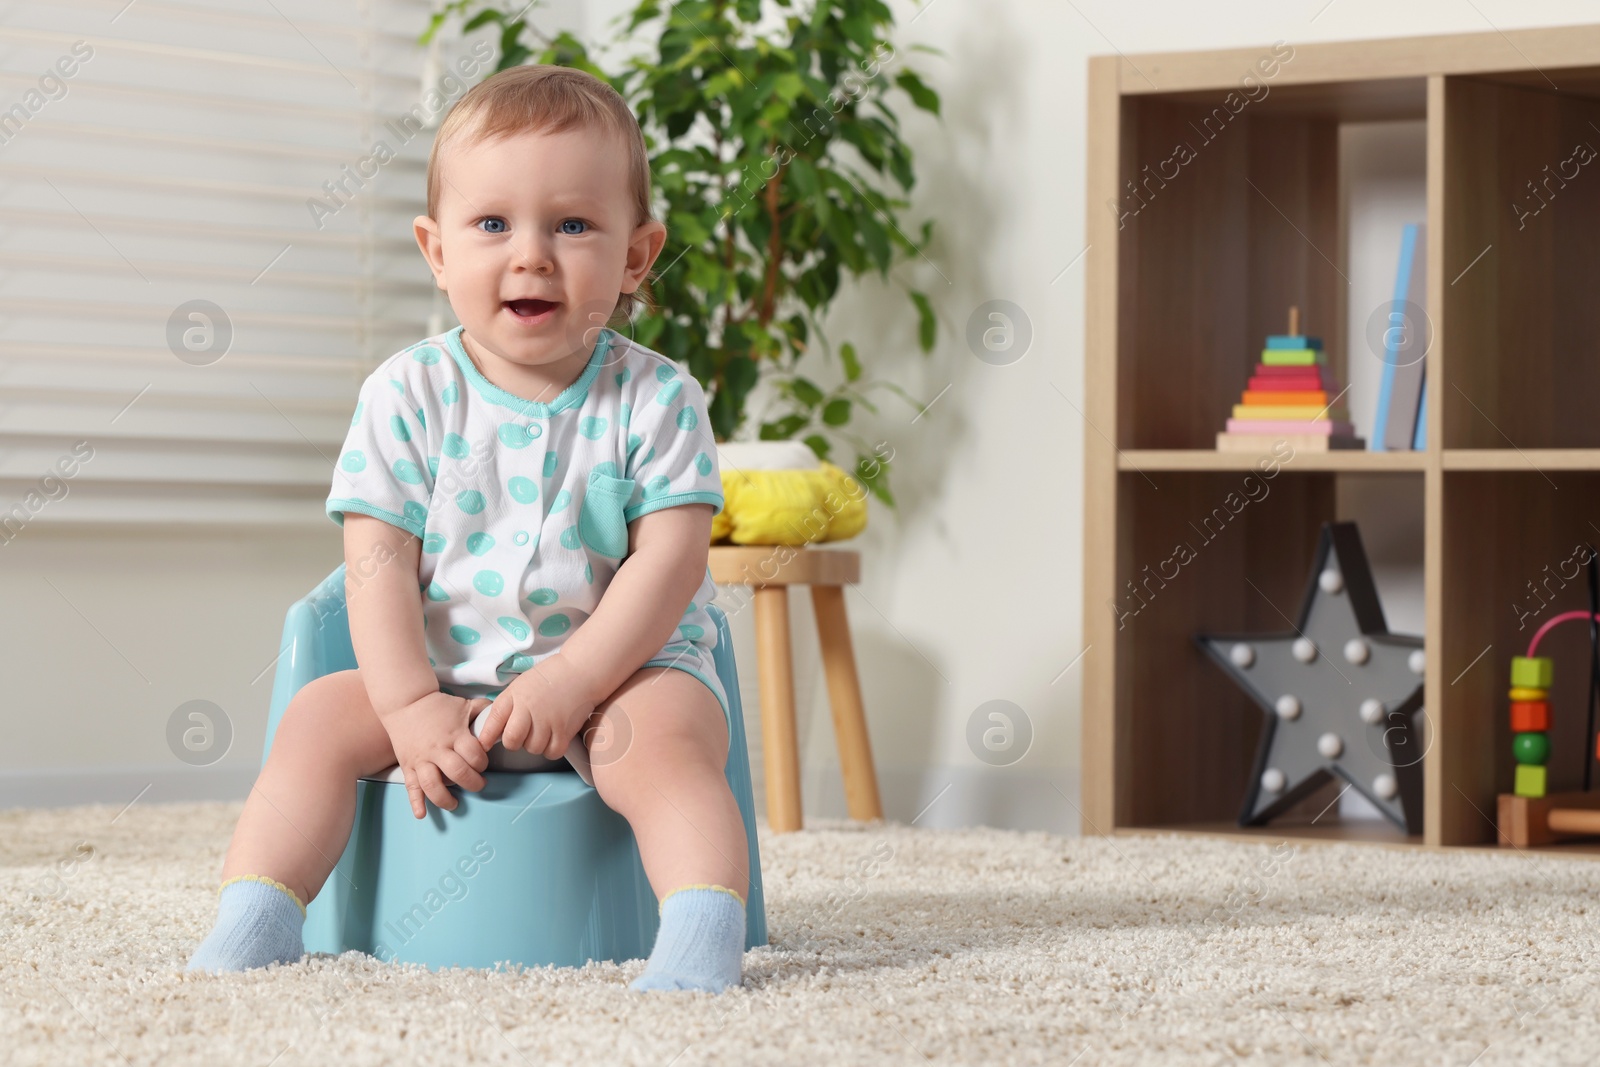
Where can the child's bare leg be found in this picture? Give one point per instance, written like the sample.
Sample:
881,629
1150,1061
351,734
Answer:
670,786
295,823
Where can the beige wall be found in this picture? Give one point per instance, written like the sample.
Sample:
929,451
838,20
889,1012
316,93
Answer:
107,631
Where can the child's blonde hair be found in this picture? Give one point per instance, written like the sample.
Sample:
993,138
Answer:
548,99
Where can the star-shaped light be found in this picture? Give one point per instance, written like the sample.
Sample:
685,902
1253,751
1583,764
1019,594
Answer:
1340,693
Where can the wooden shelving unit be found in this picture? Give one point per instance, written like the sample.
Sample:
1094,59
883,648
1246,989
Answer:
1191,266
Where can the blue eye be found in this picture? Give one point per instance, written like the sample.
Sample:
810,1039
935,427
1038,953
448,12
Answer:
494,220
573,222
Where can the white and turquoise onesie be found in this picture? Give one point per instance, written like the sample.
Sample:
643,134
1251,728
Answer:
523,507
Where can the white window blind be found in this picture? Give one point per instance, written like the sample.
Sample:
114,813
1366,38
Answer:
158,153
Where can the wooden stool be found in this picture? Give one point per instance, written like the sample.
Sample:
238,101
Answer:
769,570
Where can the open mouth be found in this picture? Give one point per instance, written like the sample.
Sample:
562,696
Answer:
531,310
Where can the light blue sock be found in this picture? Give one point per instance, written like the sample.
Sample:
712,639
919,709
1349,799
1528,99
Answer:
258,922
700,944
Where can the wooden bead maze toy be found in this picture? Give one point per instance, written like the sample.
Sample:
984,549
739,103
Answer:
1530,815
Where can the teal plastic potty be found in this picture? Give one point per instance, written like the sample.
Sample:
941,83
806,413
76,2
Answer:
534,869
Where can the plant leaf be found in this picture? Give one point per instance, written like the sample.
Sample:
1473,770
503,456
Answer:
819,444
920,94
784,428
852,365
806,392
926,323
873,473
433,26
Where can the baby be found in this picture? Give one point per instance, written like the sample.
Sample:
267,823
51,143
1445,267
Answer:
526,502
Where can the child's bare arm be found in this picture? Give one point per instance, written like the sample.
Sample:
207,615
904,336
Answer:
428,728
385,606
637,614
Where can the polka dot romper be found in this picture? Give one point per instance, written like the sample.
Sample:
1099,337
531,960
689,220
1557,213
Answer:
523,507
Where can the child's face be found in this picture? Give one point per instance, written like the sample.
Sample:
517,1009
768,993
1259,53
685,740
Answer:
535,241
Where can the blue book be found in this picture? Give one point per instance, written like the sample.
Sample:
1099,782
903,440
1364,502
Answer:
1420,442
1394,423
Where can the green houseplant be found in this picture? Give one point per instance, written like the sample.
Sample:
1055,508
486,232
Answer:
759,119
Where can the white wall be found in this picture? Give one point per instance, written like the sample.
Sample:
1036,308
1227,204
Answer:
972,589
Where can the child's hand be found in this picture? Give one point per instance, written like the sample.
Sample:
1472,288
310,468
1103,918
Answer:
541,710
432,741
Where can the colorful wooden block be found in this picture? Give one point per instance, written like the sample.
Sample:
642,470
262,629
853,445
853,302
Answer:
1531,748
1289,412
1291,357
1534,673
1288,383
1318,397
1289,369
1328,427
1530,781
1529,715
1522,692
1259,443
1284,340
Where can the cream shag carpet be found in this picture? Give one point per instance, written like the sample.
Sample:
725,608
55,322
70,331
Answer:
889,945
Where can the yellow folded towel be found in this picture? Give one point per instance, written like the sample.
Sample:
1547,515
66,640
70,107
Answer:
790,507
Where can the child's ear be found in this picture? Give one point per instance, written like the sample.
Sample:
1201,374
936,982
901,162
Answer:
427,234
643,247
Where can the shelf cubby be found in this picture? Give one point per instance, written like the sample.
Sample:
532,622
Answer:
1219,552
1513,555
1521,261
